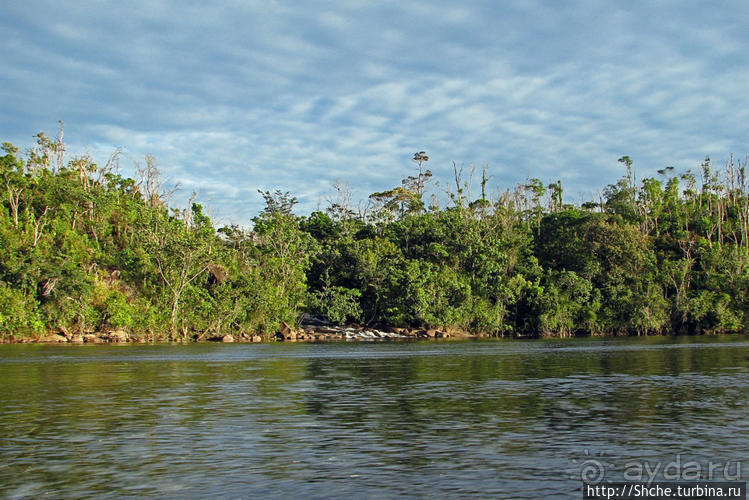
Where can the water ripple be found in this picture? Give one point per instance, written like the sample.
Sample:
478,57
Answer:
453,419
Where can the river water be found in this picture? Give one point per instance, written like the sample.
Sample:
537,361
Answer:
495,418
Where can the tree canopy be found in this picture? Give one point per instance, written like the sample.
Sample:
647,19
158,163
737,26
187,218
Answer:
86,249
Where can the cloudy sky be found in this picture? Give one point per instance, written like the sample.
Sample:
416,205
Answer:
233,96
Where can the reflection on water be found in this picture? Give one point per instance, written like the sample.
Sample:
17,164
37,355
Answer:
490,418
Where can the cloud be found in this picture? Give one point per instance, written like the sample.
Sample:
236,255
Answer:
232,96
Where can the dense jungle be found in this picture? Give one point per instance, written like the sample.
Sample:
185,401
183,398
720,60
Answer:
85,249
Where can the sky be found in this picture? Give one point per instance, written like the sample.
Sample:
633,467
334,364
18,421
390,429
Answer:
234,96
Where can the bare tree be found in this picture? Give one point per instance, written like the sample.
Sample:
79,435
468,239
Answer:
420,158
151,184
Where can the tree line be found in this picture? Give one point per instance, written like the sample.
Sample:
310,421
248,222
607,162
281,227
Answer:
85,249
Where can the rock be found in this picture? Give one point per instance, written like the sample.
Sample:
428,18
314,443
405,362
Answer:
311,320
227,338
54,338
78,339
327,330
459,333
91,338
257,338
287,332
118,336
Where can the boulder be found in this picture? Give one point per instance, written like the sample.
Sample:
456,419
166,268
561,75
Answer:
306,319
118,336
91,338
257,338
53,338
286,331
78,339
227,338
459,333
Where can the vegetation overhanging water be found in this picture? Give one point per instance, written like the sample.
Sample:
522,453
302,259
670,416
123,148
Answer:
86,250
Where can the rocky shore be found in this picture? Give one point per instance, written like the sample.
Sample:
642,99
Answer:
310,330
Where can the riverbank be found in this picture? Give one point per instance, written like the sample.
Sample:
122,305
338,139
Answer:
308,332
99,253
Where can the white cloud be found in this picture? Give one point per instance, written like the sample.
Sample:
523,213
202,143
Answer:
235,96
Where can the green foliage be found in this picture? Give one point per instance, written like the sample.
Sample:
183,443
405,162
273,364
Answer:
567,304
86,249
336,303
283,254
19,313
118,310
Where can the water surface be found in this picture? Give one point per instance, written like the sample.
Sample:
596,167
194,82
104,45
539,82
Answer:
509,419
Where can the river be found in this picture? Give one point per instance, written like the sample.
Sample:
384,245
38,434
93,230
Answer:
494,418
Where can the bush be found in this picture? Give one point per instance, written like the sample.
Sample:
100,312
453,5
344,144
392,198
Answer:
336,303
19,314
119,312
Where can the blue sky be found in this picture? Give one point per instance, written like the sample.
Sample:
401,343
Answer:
235,96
